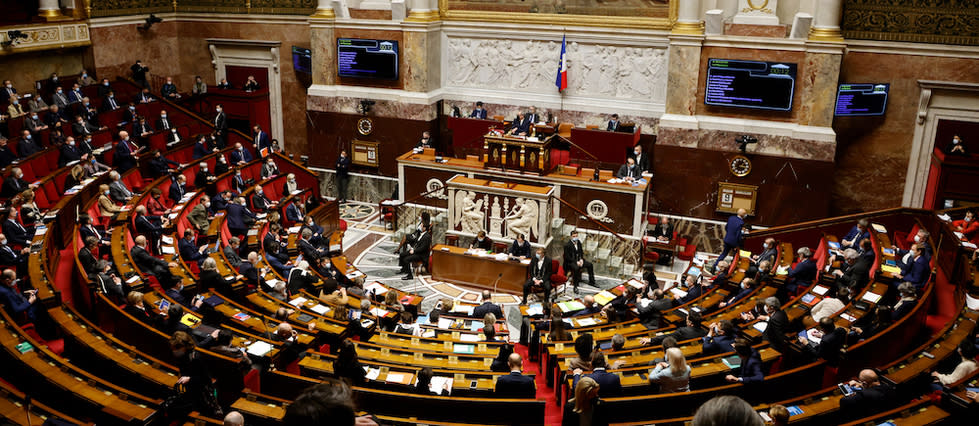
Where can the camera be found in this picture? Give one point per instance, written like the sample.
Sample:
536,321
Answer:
744,140
365,106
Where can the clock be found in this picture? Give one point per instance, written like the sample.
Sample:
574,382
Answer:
740,166
365,126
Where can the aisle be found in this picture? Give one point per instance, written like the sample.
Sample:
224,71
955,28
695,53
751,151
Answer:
552,415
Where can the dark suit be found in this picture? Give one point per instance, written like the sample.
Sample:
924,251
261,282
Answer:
778,325
12,186
516,385
250,274
237,215
751,369
628,172
519,250
542,273
123,158
651,314
720,344
16,233
732,236
83,128
829,346
857,275
867,401
680,334
488,308
148,226
233,258
420,249
613,126
478,113
16,303
109,104
609,385
160,166
140,128
88,261
573,252
177,192
300,280
221,126
189,251
309,251
68,154
642,161
665,231
902,308
260,202
240,156
802,274
153,266
262,141
917,272
520,126
201,150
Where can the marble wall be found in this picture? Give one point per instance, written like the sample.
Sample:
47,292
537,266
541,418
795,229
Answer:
873,152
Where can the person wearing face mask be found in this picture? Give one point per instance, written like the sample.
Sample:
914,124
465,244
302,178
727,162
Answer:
124,157
223,84
294,212
145,97
642,159
204,177
6,155
139,73
260,202
769,251
104,88
9,256
240,155
201,148
8,91
130,115
251,84
520,247
75,94
199,87
91,114
540,276
343,175
269,169
574,261
91,166
968,225
220,203
220,124
778,325
161,165
613,123
15,109
69,152
60,98
481,242
37,104
956,147
82,127
199,217
178,188
109,102
916,271
154,204
106,205
16,233
33,123
28,145
747,286
195,377
55,117
290,186
85,79
629,171
169,90
17,300
238,182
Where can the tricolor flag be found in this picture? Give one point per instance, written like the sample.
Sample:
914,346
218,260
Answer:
562,67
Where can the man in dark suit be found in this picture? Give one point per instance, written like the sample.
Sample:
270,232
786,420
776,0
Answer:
425,141
221,125
871,396
613,123
164,123
56,117
75,94
145,97
201,148
642,159
104,88
539,275
856,271
139,73
238,182
82,127
574,261
520,247
109,102
161,166
86,256
13,299
691,330
239,217
124,156
751,366
831,341
150,226
720,338
253,276
418,252
262,139
488,307
178,188
515,384
520,126
747,285
108,281
9,256
152,265
69,152
343,175
8,91
142,129
15,232
117,188
231,252
803,273
629,171
479,112
778,325
307,248
858,233
532,116
27,145
609,385
917,271
260,202
189,251
240,155
734,234
651,313
13,184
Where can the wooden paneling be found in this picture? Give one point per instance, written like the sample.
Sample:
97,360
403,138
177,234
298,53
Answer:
329,131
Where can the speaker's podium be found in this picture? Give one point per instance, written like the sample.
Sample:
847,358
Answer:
528,155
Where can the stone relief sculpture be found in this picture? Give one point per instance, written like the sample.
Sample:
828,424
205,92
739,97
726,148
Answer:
523,219
470,212
596,70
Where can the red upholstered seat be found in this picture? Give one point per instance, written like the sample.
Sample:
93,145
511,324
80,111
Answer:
689,250
558,276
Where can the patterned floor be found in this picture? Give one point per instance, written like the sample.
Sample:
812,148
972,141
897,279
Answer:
372,250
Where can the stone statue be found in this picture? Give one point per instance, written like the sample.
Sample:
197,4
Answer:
472,216
523,219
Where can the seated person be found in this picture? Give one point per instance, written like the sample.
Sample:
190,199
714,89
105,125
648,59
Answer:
834,301
967,352
17,234
487,307
803,273
909,298
609,383
613,123
189,251
747,286
751,366
178,188
520,247
629,171
692,330
482,242
857,234
870,396
968,225
161,165
956,147
663,231
720,338
918,271
831,342
154,204
520,126
515,384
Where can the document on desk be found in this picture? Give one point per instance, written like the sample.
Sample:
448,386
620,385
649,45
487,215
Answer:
535,309
259,348
847,317
871,297
372,373
167,249
166,239
463,309
892,269
464,349
782,270
320,309
603,297
571,305
820,289
677,293
445,323
760,326
476,326
468,337
297,301
400,378
586,322
441,385
879,228
375,287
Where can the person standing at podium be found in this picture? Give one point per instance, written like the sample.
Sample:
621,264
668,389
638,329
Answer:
426,140
613,124
417,252
343,175
479,112
520,126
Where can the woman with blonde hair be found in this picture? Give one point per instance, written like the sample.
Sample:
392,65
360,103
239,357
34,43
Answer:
106,205
672,375
75,176
29,212
586,408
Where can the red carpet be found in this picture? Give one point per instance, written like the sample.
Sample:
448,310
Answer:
552,415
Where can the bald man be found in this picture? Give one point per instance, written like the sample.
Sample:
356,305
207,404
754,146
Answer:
151,265
234,418
734,235
870,395
515,384
590,306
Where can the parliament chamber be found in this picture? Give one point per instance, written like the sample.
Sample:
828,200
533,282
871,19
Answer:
384,212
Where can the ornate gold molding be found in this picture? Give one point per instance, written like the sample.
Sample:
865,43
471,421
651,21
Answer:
48,37
423,16
327,13
559,19
825,34
688,28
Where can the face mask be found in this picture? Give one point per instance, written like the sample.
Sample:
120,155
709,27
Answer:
968,219
917,238
218,110
16,103
204,169
956,141
10,86
83,76
636,152
86,103
106,84
29,136
60,91
765,245
34,117
575,239
55,78
207,204
3,242
744,286
106,192
292,181
132,108
126,139
163,116
258,192
71,143
20,175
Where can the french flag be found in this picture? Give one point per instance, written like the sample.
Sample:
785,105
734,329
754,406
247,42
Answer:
562,67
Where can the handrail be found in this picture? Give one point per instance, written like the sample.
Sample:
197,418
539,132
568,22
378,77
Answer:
576,146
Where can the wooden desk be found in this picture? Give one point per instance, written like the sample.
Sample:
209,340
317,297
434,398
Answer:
452,264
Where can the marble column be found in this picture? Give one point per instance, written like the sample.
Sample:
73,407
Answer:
826,21
688,18
683,75
324,9
822,71
323,46
422,10
49,9
422,42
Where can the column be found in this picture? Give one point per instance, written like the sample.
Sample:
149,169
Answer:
422,10
688,18
826,21
49,9
422,42
322,44
324,9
